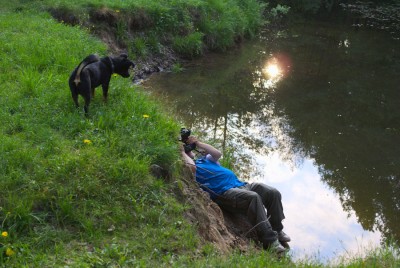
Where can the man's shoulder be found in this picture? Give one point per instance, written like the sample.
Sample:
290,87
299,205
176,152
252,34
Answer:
205,160
200,160
209,157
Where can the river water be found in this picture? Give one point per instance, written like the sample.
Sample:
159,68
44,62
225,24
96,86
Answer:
314,111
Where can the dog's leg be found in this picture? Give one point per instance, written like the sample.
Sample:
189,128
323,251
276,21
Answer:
75,99
74,92
86,92
87,103
105,86
105,92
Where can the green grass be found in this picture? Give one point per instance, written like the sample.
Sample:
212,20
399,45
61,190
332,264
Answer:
77,191
59,191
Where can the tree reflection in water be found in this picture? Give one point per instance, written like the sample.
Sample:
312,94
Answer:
335,100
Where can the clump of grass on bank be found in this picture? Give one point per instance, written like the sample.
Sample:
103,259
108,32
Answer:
387,255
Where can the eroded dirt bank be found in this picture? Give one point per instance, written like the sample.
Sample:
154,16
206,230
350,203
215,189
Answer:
104,23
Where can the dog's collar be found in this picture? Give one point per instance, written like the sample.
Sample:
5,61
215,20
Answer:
111,64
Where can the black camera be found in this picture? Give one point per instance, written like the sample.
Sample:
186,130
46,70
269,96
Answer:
185,133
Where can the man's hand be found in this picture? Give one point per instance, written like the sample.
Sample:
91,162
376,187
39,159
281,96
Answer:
181,148
191,140
187,158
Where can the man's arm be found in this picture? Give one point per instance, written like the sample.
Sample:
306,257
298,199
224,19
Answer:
209,149
188,160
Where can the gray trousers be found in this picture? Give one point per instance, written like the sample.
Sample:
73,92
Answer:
252,199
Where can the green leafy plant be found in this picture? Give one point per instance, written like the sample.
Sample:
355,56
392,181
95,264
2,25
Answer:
177,68
190,45
139,47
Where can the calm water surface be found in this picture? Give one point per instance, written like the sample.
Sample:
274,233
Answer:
315,112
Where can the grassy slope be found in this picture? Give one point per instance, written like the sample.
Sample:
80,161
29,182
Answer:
65,201
58,190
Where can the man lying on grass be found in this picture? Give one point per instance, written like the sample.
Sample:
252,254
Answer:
236,196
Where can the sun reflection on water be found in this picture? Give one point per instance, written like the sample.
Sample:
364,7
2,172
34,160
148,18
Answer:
273,71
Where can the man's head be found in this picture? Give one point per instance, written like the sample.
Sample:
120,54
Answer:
189,144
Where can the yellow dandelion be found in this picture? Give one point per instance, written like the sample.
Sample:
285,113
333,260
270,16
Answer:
4,234
114,75
146,116
87,141
10,252
117,10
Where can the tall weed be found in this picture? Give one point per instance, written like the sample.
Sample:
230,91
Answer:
189,46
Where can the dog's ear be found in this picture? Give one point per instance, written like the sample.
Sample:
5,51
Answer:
124,55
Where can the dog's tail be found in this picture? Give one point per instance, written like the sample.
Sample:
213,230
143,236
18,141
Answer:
88,60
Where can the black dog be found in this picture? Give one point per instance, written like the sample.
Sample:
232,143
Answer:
93,72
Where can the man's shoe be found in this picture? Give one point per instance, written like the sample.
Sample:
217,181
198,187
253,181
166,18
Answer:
277,248
282,237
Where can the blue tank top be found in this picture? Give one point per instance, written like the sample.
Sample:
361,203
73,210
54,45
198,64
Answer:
215,177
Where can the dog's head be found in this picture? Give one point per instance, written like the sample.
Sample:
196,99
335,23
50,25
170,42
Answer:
122,65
